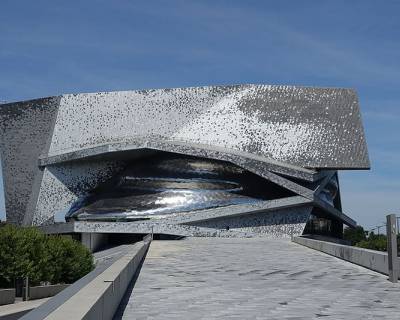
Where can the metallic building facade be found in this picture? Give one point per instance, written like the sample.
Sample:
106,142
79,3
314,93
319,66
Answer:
240,160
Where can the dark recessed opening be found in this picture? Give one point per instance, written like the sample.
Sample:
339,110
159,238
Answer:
166,183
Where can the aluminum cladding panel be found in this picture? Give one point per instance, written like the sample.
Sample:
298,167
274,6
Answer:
308,127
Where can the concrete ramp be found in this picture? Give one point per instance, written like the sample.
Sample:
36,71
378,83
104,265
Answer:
254,278
98,294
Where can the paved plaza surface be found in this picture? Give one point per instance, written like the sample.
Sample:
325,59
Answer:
254,278
19,308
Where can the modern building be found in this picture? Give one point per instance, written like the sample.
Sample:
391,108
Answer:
234,161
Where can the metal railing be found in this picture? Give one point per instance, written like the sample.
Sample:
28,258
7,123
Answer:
391,233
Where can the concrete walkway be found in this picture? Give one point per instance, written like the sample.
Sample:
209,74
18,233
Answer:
216,278
19,308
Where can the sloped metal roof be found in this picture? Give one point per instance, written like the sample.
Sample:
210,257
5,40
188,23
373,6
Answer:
307,127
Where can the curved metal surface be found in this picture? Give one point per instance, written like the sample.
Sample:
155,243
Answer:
169,184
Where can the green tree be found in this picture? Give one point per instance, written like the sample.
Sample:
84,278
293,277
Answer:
354,235
69,260
374,242
29,252
22,254
8,243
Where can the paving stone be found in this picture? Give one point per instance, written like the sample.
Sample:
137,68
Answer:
254,278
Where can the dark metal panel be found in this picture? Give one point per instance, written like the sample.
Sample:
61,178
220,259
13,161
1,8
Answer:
25,129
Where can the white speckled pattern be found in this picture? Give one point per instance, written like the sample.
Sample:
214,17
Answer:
56,149
309,127
62,185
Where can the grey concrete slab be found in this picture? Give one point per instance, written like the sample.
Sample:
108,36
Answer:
100,298
371,259
7,296
255,278
55,302
18,309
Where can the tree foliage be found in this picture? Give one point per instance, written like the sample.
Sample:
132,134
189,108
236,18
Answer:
374,242
29,252
368,240
354,235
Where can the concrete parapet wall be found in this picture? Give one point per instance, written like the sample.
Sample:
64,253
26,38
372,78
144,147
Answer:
40,292
371,259
100,298
7,296
327,239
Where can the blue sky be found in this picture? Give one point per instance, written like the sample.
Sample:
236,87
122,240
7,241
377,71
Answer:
53,47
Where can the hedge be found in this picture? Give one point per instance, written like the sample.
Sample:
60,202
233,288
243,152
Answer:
29,252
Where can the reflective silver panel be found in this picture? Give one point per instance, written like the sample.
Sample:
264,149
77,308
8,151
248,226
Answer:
168,184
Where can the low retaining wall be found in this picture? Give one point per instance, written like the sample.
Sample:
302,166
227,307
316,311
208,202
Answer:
371,259
327,239
100,295
7,296
40,292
